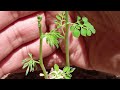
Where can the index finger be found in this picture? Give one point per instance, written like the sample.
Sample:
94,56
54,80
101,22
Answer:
7,17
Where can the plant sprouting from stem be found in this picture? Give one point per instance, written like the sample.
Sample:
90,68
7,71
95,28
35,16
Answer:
52,38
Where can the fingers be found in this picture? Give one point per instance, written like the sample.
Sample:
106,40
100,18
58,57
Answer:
19,33
14,61
7,17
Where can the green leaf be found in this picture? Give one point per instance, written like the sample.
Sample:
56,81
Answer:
25,60
63,14
30,65
27,71
25,65
66,77
56,22
66,68
89,33
90,27
77,27
83,32
84,19
93,31
69,75
58,26
72,70
58,17
30,55
68,22
87,24
76,33
80,25
56,67
72,28
78,18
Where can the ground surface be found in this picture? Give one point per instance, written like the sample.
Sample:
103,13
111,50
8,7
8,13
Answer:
78,74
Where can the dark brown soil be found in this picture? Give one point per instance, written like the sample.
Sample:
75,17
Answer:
77,74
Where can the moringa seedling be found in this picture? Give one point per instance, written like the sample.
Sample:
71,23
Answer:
30,64
82,27
57,73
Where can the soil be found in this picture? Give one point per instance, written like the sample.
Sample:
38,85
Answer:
77,74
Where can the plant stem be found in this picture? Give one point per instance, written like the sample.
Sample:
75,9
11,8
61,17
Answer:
66,40
40,50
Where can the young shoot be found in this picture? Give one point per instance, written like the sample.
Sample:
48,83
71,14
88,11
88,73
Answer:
52,38
57,73
30,64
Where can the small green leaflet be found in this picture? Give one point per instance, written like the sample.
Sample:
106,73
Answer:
93,31
52,38
58,26
67,72
58,17
27,71
56,67
65,69
90,27
76,33
83,32
78,18
67,77
60,21
84,19
72,28
72,70
89,33
25,65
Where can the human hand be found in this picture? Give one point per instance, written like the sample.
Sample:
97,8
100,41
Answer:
99,52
